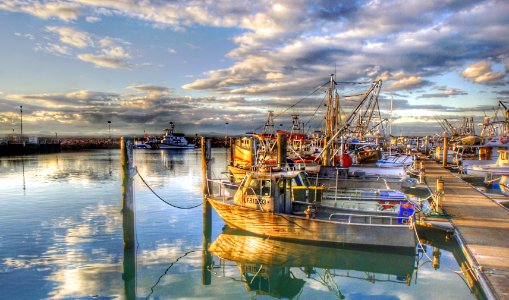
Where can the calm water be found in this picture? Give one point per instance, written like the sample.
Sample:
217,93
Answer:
61,237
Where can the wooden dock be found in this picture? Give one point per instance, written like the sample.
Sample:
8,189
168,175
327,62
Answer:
482,226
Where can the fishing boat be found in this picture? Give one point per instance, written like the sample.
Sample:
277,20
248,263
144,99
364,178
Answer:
285,205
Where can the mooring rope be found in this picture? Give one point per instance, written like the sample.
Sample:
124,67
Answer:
160,198
168,269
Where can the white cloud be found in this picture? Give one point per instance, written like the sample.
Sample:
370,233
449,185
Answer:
71,36
25,35
481,72
104,61
405,83
53,49
66,11
92,19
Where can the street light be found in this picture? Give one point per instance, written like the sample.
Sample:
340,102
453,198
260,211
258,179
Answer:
226,135
109,129
21,114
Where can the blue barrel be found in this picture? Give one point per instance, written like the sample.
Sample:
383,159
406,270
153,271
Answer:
405,211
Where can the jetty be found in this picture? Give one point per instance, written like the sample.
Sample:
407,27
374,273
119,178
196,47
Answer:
482,228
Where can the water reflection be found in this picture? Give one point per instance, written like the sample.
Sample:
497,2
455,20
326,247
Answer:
63,239
266,264
440,242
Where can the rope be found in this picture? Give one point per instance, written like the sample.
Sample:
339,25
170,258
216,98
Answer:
168,269
160,198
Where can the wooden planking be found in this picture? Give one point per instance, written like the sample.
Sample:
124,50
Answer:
482,224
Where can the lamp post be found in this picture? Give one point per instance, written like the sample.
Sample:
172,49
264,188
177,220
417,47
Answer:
226,134
21,114
109,129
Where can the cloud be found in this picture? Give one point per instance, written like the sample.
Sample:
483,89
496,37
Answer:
150,89
28,36
92,19
444,93
112,54
53,49
411,82
66,11
481,72
71,36
105,61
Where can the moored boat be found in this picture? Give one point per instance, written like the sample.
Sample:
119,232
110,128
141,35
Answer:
284,205
173,140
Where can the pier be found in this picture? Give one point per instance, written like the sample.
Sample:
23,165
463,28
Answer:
482,228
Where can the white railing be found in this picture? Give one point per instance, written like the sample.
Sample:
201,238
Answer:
368,219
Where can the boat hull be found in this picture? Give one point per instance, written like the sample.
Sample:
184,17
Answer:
298,228
166,146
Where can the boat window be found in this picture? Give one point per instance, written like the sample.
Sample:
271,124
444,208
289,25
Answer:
265,188
300,180
253,187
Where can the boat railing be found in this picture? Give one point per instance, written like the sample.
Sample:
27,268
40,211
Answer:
368,219
366,205
219,188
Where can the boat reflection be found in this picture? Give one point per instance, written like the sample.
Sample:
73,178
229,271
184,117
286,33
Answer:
266,264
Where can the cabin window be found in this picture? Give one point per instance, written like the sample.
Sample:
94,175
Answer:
253,187
265,188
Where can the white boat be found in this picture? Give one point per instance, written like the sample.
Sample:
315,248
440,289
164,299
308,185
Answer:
500,167
395,160
150,142
389,172
173,140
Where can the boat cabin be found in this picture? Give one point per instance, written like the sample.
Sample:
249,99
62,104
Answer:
275,192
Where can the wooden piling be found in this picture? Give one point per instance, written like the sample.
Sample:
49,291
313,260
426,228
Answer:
439,195
126,162
129,263
444,158
206,157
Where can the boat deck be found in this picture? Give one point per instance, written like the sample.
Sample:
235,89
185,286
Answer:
481,224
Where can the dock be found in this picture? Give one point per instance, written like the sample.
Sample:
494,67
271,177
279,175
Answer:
482,228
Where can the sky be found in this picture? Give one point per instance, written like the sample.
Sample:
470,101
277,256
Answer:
217,67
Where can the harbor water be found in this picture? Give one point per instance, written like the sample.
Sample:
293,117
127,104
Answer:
61,237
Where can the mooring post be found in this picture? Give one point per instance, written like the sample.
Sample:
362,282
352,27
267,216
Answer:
206,145
444,158
127,173
440,194
281,150
126,162
206,157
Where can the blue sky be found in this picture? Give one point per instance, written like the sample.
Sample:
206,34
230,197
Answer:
76,64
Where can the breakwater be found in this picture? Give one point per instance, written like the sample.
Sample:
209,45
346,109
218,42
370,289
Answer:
78,143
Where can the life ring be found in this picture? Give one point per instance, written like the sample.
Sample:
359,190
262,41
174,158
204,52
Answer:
504,139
